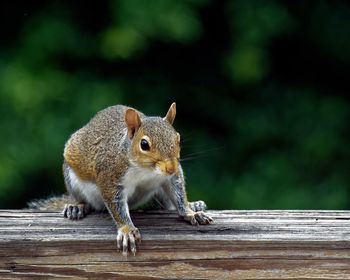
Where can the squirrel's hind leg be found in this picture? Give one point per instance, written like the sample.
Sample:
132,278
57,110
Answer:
76,206
84,195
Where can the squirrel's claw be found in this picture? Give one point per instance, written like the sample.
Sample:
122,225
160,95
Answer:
198,218
74,212
128,236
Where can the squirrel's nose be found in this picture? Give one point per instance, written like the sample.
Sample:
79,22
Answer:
170,170
170,167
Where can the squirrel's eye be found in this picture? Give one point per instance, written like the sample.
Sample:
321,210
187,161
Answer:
144,145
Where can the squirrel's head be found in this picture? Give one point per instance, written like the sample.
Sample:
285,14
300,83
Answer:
155,143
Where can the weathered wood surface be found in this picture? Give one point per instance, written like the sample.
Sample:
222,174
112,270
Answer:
240,245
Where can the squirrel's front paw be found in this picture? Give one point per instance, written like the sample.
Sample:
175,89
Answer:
196,218
128,236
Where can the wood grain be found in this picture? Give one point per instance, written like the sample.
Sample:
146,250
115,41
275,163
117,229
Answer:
240,245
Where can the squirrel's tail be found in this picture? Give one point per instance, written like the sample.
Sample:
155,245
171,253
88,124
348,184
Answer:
53,203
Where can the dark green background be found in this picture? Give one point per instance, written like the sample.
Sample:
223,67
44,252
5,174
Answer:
261,90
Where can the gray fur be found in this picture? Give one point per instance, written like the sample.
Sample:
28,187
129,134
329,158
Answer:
175,189
122,206
162,135
198,206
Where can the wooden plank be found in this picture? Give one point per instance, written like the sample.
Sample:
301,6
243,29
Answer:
240,245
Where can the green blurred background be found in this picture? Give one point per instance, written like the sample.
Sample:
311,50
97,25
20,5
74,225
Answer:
261,90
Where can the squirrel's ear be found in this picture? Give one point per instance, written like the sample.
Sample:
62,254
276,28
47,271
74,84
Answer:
170,116
133,121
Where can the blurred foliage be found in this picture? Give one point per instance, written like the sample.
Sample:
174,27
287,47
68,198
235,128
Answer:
261,89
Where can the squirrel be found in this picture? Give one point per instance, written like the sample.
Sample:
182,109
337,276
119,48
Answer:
120,160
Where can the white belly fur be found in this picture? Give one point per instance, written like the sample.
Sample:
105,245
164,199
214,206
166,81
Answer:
139,184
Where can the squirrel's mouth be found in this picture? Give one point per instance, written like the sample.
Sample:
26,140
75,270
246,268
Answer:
168,167
161,167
